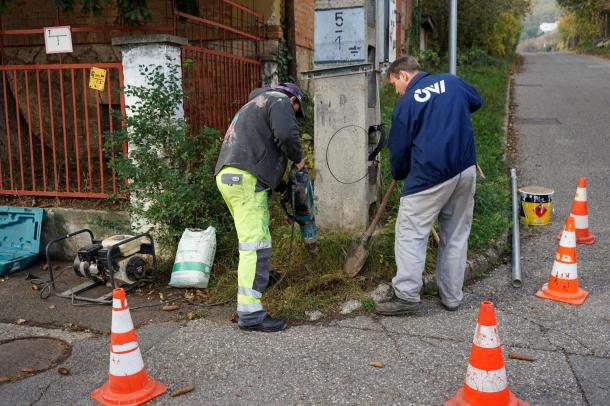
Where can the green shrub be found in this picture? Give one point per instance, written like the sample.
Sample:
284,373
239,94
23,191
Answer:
170,171
476,56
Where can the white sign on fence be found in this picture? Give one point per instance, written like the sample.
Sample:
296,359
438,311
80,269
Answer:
58,40
339,35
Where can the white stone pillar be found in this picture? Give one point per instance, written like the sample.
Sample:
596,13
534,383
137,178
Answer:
149,51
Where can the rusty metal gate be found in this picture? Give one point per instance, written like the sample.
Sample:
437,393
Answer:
221,64
52,128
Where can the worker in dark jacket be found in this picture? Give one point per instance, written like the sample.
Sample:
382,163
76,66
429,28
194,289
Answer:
262,137
432,148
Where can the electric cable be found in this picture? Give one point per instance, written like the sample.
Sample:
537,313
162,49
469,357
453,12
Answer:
376,151
44,285
290,256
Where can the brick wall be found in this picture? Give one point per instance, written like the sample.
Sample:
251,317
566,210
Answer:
31,14
304,25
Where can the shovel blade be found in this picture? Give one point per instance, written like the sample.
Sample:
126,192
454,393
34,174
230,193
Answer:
355,260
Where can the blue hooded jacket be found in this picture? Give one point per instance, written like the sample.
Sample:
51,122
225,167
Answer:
431,139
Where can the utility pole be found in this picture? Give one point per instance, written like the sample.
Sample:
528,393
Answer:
452,36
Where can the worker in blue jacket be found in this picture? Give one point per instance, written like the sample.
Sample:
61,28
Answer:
432,148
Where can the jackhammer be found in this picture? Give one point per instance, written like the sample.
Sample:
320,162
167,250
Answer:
299,195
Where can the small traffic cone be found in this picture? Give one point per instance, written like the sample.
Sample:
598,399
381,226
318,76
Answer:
486,382
563,282
128,383
580,212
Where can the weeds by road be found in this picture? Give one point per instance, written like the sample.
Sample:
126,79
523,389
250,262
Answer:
317,283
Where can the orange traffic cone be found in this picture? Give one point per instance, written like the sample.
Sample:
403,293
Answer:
486,382
580,212
128,383
563,283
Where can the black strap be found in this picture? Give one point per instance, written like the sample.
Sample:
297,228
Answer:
382,140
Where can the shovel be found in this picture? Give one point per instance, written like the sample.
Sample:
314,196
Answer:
358,253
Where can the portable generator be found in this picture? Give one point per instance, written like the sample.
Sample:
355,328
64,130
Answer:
127,268
117,261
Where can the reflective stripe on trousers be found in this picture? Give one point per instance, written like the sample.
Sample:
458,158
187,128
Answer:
251,216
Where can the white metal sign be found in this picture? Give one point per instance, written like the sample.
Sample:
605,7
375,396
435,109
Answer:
339,35
58,40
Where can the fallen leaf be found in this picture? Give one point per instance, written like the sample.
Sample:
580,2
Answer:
191,315
34,287
170,308
377,364
63,371
20,321
28,370
56,268
161,296
522,357
234,318
181,391
52,307
4,379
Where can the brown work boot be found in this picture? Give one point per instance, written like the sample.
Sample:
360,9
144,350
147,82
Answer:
398,307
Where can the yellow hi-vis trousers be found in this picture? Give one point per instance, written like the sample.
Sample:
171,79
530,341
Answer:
251,216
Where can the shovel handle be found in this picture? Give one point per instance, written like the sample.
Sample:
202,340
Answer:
369,231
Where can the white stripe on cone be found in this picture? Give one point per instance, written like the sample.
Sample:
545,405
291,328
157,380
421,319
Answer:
581,194
568,239
486,381
126,364
117,348
580,221
116,304
121,321
486,337
565,271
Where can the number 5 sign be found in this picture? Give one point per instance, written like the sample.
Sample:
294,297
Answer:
339,35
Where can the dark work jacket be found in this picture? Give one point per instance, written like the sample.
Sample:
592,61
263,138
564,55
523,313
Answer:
431,139
263,135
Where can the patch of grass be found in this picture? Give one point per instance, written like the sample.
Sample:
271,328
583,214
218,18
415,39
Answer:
591,49
368,305
492,200
317,283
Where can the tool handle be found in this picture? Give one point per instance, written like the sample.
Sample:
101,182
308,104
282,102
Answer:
369,231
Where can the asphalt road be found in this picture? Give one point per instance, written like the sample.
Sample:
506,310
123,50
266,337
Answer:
563,118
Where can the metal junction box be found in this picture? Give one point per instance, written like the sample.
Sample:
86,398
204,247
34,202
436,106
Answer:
346,104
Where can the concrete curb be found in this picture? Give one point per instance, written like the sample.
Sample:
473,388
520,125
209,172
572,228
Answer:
476,266
60,221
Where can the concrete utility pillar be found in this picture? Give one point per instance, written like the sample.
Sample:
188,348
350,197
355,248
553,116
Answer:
346,105
149,51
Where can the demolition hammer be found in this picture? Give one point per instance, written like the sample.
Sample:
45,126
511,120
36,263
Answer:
299,195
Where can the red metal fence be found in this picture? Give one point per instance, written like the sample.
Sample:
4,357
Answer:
51,130
222,61
52,123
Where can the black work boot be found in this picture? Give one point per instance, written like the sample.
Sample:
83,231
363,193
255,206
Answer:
397,307
268,325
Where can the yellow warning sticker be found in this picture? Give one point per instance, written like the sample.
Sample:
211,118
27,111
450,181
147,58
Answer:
97,78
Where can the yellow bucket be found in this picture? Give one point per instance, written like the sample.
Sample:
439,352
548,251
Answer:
536,205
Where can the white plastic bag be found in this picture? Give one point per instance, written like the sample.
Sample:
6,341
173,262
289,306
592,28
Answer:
194,258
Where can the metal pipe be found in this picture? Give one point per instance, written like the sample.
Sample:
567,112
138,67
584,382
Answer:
516,258
452,36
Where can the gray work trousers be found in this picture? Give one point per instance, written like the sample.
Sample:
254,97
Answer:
452,202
